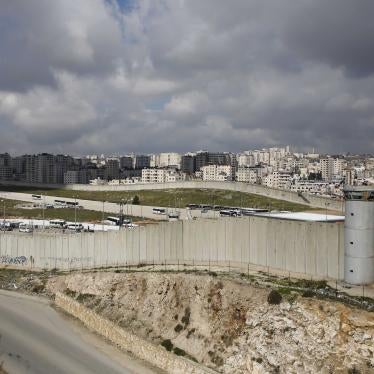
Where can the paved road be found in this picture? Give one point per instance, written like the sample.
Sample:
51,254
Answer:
37,339
133,210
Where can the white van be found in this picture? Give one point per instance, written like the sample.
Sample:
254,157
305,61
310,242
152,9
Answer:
75,226
25,227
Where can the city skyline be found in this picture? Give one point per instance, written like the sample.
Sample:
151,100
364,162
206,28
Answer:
146,76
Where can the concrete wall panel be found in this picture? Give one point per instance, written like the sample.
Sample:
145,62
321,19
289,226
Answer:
316,249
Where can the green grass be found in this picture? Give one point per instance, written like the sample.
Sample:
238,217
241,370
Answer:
66,214
170,198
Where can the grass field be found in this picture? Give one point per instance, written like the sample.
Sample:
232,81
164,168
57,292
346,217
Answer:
172,197
83,215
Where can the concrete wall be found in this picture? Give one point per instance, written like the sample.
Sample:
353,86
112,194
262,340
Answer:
309,248
307,199
156,355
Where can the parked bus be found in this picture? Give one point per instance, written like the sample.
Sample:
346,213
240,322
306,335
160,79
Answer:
117,221
36,197
60,203
57,223
71,203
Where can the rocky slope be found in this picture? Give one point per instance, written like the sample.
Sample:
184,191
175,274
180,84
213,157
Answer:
229,325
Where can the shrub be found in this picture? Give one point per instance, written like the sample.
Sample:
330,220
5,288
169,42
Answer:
186,317
136,200
167,344
308,293
178,328
274,297
179,352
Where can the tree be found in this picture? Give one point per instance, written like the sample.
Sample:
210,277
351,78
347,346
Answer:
136,200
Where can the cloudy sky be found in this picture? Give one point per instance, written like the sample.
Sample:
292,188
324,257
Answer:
94,76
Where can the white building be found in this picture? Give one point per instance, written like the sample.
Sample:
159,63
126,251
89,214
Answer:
278,179
246,174
160,176
331,168
217,173
171,159
310,186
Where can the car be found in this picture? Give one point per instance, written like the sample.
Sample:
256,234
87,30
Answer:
75,227
26,228
5,226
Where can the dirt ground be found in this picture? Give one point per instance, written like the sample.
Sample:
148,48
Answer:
230,325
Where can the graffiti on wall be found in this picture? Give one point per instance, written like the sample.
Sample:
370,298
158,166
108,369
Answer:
70,260
11,260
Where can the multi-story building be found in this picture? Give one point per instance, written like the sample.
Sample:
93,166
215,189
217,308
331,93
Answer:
164,160
204,158
6,172
111,169
126,162
160,175
246,174
76,177
142,161
278,179
217,173
188,164
331,168
245,159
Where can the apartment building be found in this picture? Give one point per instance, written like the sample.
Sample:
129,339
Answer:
142,161
331,167
160,175
246,174
6,172
188,164
278,179
111,169
164,160
126,162
217,173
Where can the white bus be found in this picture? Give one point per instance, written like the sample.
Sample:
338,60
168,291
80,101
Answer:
57,223
116,221
36,197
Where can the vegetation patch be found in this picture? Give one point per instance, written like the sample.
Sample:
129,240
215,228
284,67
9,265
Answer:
168,198
274,297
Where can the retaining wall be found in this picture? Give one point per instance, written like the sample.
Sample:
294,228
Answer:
310,248
286,195
141,348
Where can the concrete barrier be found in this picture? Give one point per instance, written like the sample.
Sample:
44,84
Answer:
311,248
127,341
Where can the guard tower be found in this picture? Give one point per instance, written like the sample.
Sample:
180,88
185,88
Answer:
359,235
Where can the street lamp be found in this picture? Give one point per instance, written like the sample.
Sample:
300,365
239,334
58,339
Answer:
121,218
43,214
75,211
3,201
103,217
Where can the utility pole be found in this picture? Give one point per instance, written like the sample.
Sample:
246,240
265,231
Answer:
75,212
103,217
121,214
43,207
3,201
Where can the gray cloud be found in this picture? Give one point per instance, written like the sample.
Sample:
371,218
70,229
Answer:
85,76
